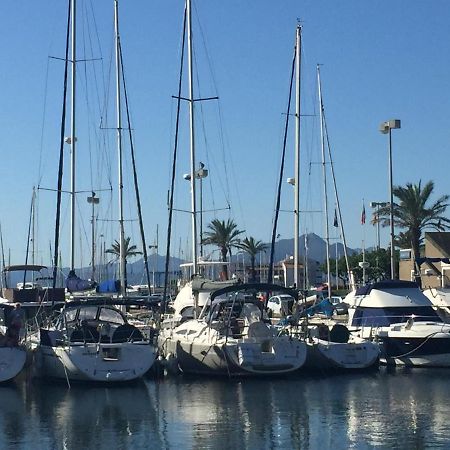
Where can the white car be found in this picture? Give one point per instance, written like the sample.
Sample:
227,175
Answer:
281,305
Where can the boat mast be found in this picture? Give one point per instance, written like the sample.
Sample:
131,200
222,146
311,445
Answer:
72,140
192,140
325,194
297,153
123,288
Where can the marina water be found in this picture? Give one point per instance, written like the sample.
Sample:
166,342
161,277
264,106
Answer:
399,408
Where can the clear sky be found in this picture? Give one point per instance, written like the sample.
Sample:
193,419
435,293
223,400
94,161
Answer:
381,60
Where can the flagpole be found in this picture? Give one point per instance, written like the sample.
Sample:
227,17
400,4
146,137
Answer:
363,222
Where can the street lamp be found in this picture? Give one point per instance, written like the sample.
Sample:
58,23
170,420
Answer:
386,128
378,205
94,201
200,173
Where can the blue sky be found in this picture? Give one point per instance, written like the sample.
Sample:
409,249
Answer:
381,60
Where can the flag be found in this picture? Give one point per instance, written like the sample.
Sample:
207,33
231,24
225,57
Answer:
363,215
335,222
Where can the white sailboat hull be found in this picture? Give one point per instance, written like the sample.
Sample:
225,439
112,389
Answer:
325,355
96,362
12,361
246,357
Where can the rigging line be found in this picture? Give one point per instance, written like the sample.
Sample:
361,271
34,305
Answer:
335,191
90,109
28,239
99,49
135,176
225,188
3,278
223,167
44,112
174,159
280,180
61,149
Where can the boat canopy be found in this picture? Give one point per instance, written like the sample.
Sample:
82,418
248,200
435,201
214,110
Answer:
76,284
254,288
27,267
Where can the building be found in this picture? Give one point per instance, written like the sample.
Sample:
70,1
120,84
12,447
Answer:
434,264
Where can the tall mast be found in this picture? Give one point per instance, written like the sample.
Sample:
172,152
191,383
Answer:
123,288
73,137
192,140
297,152
325,194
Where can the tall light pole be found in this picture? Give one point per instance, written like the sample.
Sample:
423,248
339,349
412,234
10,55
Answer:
94,201
378,205
386,128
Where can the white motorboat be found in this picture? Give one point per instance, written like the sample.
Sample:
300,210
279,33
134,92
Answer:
440,298
402,319
93,342
231,337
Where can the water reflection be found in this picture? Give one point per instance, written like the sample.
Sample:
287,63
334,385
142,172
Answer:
387,409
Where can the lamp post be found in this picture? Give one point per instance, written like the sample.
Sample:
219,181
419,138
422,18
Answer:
386,128
378,205
200,173
94,201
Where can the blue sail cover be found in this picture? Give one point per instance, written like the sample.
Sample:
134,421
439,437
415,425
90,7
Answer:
108,286
75,284
323,307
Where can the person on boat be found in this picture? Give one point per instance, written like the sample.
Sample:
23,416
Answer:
15,325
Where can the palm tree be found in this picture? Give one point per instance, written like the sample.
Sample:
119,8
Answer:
225,236
252,248
413,214
129,250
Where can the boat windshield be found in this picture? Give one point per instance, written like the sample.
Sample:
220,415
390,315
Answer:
251,312
71,315
88,313
111,315
381,317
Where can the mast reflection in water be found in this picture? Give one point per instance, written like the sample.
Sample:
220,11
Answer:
401,409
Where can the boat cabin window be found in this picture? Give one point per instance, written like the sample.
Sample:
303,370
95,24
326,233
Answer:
71,315
111,315
251,312
382,317
87,313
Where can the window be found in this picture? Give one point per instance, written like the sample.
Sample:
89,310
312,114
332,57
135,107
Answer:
405,254
110,315
382,317
88,313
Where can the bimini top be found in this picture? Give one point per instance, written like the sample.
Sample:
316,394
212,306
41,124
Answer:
30,267
254,288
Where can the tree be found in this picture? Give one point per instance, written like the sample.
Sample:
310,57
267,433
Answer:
225,236
129,250
413,214
379,266
252,248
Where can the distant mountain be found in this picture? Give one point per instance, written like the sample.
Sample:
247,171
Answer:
316,248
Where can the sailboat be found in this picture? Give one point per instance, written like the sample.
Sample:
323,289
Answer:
326,348
196,286
233,337
91,339
210,342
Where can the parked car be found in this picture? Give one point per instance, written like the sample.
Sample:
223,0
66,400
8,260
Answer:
281,305
340,307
